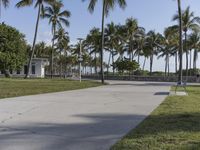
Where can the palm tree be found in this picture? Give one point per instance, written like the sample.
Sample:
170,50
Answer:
107,6
93,43
189,22
5,4
111,42
42,50
140,41
133,33
194,43
62,38
40,5
151,46
121,43
180,76
166,48
56,18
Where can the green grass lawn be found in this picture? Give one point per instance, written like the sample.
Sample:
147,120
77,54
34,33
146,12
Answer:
20,87
174,125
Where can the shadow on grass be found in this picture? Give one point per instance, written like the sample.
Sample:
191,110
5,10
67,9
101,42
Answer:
98,133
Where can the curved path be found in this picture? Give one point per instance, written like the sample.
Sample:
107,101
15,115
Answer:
89,119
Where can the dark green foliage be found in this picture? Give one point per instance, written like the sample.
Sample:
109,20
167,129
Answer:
13,48
192,72
141,73
126,65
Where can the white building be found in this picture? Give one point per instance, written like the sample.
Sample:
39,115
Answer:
37,69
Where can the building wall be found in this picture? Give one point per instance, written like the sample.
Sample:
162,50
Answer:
39,70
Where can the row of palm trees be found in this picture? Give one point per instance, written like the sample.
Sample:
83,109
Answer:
115,38
130,40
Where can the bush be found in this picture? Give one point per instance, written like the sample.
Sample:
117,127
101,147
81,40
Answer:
141,72
191,72
126,65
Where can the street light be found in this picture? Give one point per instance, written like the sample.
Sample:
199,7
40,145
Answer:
80,59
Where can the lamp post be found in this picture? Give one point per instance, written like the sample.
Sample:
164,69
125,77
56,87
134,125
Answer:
80,59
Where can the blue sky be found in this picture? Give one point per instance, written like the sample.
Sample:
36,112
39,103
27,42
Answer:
151,14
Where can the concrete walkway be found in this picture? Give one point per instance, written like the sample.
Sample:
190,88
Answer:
89,119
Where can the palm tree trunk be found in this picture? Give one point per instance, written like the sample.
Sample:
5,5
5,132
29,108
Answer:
34,42
113,67
190,62
132,55
195,59
187,63
109,63
187,60
144,63
60,65
180,77
138,59
151,64
176,62
102,42
166,66
53,40
95,67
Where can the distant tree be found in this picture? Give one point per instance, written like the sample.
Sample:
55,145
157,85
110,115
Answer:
107,6
57,18
13,49
93,43
62,46
151,46
42,50
189,22
194,43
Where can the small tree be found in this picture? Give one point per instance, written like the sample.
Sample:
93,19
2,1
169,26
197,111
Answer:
126,65
13,49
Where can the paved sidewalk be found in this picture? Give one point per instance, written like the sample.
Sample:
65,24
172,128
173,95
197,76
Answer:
89,119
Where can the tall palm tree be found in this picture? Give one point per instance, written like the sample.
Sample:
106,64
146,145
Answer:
167,47
151,46
180,76
111,42
57,18
189,22
133,33
40,5
121,43
140,41
107,6
62,38
93,43
194,43
5,4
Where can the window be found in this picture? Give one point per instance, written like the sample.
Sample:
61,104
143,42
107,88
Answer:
25,69
33,69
